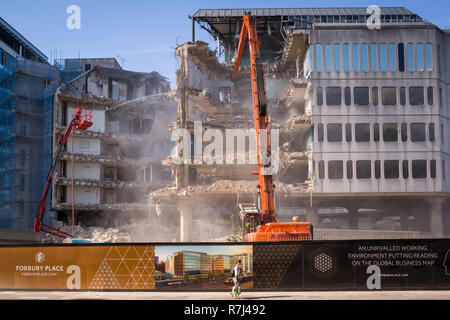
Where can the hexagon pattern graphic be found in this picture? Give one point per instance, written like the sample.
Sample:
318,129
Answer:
323,263
271,263
126,267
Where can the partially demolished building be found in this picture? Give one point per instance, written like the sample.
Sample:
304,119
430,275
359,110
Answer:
361,113
112,166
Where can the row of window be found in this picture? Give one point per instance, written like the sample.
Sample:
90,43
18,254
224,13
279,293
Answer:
391,169
416,95
370,57
390,132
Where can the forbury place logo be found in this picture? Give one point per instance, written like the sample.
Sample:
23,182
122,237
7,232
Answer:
39,257
214,141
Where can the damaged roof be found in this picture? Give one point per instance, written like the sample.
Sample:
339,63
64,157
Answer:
120,74
264,12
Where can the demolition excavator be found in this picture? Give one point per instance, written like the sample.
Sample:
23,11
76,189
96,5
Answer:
259,221
79,121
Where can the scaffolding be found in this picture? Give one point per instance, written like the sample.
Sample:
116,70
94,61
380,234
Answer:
26,94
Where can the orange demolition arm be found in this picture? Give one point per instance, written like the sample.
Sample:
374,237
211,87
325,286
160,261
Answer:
265,186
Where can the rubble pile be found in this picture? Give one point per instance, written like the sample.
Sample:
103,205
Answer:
125,233
233,186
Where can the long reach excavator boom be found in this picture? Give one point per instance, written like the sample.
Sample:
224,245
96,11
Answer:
259,223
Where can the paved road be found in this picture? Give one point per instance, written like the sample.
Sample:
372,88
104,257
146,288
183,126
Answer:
332,295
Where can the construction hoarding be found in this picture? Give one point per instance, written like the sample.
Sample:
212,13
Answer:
309,265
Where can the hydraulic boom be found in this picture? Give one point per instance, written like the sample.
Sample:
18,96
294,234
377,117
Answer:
259,223
78,123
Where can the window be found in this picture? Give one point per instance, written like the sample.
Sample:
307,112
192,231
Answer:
225,94
355,57
404,128
377,169
22,182
3,58
405,169
362,132
321,169
389,96
401,57
373,57
327,48
419,169
349,169
442,133
361,96
392,64
383,65
337,57
318,57
419,56
364,57
416,96
417,131
347,94
363,169
22,158
402,96
320,132
430,96
346,56
410,56
348,132
375,96
319,96
376,132
439,58
335,170
391,169
390,132
431,131
428,57
443,169
334,132
433,169
334,96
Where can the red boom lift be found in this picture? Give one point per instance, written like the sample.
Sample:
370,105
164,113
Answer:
259,223
78,123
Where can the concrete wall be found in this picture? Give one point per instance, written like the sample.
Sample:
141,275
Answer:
83,170
83,195
85,145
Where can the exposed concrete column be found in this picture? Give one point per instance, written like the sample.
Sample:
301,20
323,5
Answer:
185,222
312,213
353,217
436,218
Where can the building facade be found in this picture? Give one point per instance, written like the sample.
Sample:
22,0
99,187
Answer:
27,83
117,161
361,114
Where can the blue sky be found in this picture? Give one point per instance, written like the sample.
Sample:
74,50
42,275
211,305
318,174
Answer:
145,32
